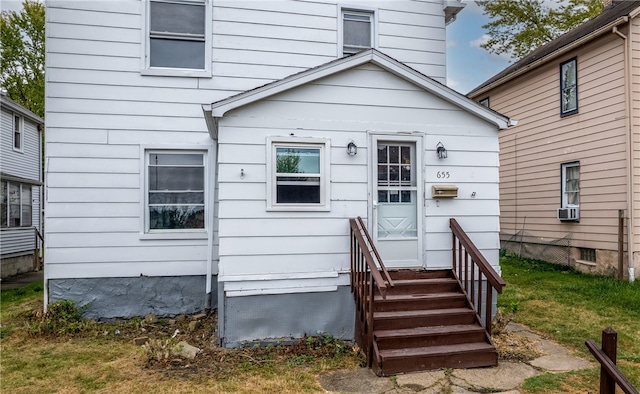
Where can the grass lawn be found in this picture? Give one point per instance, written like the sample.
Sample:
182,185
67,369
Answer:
70,356
570,308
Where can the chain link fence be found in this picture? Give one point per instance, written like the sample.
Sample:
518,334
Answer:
527,245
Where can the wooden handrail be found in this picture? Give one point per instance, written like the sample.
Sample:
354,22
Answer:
375,252
609,372
365,278
465,259
38,234
357,229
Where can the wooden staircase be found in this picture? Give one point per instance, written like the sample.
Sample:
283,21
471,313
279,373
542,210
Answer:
425,322
417,320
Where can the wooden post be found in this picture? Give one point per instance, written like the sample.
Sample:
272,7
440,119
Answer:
620,244
610,348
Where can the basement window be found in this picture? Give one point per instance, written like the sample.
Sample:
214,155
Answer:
587,254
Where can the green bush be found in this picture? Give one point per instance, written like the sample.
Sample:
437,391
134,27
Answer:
61,317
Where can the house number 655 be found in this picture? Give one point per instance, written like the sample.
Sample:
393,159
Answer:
443,174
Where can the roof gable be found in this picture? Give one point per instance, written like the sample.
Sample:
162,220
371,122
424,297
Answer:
216,110
613,15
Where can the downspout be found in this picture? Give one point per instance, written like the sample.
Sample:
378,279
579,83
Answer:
212,128
213,159
629,149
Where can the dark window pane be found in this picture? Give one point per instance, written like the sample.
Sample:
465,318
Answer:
406,173
394,196
176,178
26,205
405,155
382,173
382,154
3,204
406,196
382,196
177,53
176,217
394,156
298,194
393,173
177,18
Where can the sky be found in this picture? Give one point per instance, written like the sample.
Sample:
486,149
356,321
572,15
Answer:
468,65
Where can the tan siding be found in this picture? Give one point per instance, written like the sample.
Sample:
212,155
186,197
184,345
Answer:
531,154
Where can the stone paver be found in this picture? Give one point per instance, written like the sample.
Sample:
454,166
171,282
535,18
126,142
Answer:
505,378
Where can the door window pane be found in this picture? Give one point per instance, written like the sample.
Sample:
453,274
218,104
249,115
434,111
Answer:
14,205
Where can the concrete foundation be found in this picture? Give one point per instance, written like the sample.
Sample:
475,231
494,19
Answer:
112,298
274,317
11,266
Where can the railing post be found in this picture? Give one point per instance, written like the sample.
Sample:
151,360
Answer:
610,348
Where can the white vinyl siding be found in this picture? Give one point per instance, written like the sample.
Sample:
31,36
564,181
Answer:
289,244
101,109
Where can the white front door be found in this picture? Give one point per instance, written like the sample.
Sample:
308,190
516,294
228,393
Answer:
396,202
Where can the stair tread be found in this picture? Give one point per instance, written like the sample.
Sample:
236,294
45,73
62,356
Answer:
436,350
454,329
423,280
421,312
421,296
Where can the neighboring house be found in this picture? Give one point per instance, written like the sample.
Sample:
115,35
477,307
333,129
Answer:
20,188
573,161
208,154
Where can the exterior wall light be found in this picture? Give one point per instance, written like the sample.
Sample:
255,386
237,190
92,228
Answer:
441,151
352,149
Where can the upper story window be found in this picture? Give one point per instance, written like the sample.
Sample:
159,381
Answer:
178,38
568,87
570,185
358,30
299,174
484,102
17,133
175,191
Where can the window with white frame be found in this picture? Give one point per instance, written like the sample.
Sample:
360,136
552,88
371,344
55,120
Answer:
570,185
568,87
15,204
17,133
299,175
175,191
178,37
358,30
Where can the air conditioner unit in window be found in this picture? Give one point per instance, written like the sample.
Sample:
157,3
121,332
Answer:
569,214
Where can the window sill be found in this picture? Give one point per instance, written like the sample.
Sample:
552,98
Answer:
586,262
175,235
176,72
296,208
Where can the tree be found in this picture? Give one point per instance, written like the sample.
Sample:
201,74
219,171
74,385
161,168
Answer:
22,55
518,27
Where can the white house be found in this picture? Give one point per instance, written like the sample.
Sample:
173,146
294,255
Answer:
20,188
208,154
